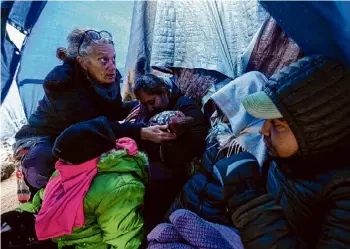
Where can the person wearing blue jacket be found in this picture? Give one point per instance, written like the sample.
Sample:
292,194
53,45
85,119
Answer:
306,203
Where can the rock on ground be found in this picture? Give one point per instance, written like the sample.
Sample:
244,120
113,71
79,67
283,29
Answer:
7,163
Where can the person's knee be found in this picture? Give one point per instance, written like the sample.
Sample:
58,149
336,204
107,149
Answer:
35,178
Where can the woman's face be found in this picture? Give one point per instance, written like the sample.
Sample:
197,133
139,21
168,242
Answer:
100,64
154,103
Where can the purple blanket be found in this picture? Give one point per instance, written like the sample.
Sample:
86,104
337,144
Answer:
187,230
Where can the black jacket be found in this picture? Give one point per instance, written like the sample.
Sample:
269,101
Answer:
310,205
70,98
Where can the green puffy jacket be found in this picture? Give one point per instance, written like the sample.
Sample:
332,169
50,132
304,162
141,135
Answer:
112,206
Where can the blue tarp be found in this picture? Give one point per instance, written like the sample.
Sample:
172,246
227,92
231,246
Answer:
318,27
192,34
23,16
56,21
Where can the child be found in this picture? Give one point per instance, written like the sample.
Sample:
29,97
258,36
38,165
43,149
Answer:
92,200
177,122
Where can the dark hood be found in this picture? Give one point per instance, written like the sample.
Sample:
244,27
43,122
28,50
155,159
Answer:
313,96
84,141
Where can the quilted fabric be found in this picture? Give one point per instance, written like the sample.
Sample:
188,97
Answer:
205,34
313,97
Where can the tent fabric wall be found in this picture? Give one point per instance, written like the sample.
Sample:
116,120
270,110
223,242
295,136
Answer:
211,34
321,27
189,34
10,57
273,49
56,21
23,16
140,42
325,25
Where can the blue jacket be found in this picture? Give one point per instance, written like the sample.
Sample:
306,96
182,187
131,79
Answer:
310,205
204,194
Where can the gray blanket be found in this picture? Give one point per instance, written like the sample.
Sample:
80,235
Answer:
244,128
213,35
205,34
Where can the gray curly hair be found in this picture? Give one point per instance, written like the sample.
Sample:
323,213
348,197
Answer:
74,40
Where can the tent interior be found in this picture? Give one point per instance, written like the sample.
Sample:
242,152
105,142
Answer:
204,44
43,36
213,39
216,52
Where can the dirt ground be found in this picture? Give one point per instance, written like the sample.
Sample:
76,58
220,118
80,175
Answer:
8,194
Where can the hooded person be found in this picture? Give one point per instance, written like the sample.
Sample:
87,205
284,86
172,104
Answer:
306,109
95,197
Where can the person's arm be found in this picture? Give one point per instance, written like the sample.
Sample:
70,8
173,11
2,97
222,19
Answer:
118,216
335,228
63,106
64,102
263,225
68,110
137,131
126,129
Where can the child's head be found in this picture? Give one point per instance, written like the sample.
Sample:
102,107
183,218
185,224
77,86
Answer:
84,141
177,121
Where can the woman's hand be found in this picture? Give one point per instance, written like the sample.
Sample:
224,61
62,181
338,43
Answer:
157,134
